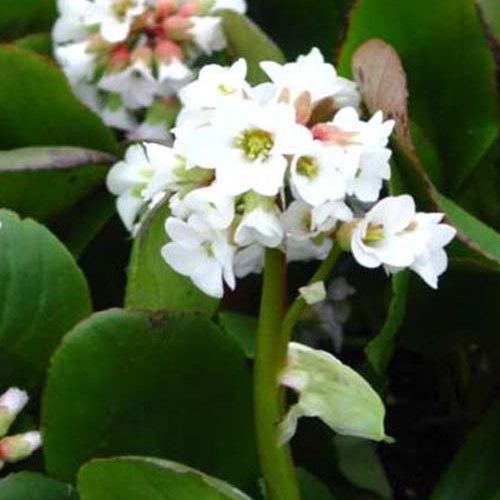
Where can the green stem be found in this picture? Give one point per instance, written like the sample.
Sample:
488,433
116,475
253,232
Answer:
297,308
276,461
274,332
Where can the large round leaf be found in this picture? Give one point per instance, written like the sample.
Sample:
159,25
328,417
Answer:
19,17
43,294
133,478
38,107
451,74
30,486
42,182
170,386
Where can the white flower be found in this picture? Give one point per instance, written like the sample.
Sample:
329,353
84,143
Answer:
304,241
394,235
11,404
314,293
246,144
365,140
118,117
114,17
249,260
239,6
311,74
147,170
262,226
76,60
207,33
136,85
71,25
212,204
214,84
318,174
201,253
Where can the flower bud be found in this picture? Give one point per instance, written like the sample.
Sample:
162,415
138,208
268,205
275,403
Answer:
177,27
166,51
344,235
189,9
165,8
19,447
120,59
11,404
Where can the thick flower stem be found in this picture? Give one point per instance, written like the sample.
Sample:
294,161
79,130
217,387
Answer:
275,460
274,332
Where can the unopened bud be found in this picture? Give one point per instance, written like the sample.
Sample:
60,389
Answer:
19,447
11,404
344,235
303,107
177,27
189,9
120,59
166,8
313,293
142,54
166,51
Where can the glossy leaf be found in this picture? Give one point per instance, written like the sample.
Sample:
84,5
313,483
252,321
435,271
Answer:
133,478
152,283
31,486
242,328
27,175
43,294
170,386
20,17
39,108
473,473
477,238
245,39
451,97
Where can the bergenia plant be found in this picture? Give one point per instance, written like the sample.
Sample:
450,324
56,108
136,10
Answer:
287,170
249,250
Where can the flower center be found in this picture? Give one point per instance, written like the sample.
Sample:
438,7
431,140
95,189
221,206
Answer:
307,166
256,143
209,248
121,7
374,233
225,90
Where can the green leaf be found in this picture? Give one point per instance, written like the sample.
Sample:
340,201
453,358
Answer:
171,386
39,108
358,461
284,19
28,175
42,295
242,328
383,84
134,478
451,97
41,43
245,39
381,349
473,473
312,488
491,13
20,17
31,486
333,392
152,283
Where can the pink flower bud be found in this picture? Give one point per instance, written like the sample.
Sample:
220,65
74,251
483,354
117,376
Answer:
333,135
166,8
11,404
120,58
303,107
19,447
177,27
189,9
166,51
143,54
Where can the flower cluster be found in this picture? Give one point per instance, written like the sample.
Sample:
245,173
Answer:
127,59
21,446
286,164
